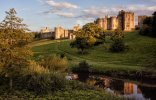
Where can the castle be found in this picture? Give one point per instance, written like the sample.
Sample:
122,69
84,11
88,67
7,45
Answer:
124,21
58,33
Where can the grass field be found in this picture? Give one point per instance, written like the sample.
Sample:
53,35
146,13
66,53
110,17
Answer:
142,49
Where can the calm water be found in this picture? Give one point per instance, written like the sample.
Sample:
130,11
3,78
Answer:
127,89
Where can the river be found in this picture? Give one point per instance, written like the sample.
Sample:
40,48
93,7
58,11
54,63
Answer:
129,89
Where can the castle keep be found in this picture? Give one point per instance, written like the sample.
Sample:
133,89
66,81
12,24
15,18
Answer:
124,21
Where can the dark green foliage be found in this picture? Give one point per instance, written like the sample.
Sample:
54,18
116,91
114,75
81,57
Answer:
44,83
118,46
148,21
82,67
154,25
145,30
149,26
80,43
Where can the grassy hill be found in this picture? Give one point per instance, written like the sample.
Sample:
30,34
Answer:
142,49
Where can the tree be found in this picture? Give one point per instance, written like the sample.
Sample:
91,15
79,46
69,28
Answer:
14,50
118,43
12,22
80,43
154,25
148,28
88,36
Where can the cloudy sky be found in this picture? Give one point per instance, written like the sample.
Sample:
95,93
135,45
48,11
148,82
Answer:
66,13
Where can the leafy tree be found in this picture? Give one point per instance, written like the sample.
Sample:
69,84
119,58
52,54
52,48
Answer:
117,34
80,43
148,21
11,21
118,43
88,36
149,26
14,50
154,24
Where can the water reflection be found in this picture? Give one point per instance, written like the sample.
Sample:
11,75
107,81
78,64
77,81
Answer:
128,90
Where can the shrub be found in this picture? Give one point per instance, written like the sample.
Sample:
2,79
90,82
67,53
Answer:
40,80
54,63
82,67
118,46
145,30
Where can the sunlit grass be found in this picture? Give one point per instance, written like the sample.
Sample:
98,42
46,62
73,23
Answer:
141,49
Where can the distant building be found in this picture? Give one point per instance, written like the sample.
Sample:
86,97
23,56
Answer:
140,20
58,33
124,20
45,30
102,22
71,32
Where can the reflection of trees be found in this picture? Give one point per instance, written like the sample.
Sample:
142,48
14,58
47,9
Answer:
83,77
148,92
117,85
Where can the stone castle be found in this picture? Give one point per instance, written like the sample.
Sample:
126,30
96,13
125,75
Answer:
59,33
124,21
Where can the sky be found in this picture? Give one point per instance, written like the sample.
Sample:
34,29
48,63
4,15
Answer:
38,14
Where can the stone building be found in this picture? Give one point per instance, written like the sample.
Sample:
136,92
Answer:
71,32
45,30
140,20
102,22
45,33
112,23
60,33
124,20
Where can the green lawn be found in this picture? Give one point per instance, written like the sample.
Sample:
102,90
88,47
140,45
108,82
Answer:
141,50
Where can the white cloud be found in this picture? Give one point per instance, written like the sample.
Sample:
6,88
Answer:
63,14
94,12
61,4
62,9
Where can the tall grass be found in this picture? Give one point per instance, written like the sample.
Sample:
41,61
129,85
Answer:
54,63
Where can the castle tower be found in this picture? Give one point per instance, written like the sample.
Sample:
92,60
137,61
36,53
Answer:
102,22
112,23
126,20
59,32
105,23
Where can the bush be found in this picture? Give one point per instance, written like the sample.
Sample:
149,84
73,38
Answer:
145,30
40,80
118,46
82,67
54,63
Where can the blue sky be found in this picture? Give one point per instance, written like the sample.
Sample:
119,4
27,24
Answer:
67,13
